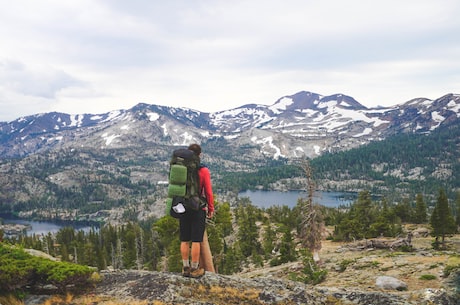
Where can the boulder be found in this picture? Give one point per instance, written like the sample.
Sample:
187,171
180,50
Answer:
390,283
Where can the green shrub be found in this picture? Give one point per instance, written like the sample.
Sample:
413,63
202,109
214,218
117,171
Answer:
19,269
14,274
428,277
344,264
311,272
453,265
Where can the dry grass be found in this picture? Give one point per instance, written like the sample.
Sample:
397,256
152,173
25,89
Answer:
78,300
94,299
10,300
228,295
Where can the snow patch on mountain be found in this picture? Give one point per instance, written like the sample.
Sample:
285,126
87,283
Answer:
231,137
329,104
165,129
317,149
379,122
453,106
76,120
268,141
153,116
282,105
112,115
436,117
109,138
367,131
186,137
96,117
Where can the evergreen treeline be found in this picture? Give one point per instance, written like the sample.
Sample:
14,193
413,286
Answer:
243,236
262,177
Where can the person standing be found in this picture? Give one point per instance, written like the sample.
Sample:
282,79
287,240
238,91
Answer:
192,224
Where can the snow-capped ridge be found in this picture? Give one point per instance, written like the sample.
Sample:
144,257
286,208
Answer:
304,123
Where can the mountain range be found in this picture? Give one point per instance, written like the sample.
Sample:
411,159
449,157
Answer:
304,124
114,166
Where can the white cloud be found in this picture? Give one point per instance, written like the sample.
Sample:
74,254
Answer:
96,56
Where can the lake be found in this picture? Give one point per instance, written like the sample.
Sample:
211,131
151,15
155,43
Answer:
262,199
44,227
265,199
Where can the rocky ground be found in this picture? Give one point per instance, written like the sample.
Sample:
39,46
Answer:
349,268
351,279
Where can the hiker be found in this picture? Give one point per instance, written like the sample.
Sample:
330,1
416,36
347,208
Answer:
192,224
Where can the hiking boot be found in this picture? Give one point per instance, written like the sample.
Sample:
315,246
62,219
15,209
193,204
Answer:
196,273
186,271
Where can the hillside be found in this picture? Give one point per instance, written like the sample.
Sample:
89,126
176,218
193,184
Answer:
407,164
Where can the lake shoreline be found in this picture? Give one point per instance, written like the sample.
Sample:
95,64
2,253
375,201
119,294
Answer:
265,199
13,226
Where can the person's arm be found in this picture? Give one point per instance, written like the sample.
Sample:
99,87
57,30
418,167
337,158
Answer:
205,180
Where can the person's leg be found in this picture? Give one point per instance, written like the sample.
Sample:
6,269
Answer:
196,271
184,250
206,261
197,237
196,248
185,238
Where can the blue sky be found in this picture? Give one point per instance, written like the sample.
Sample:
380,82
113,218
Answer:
94,56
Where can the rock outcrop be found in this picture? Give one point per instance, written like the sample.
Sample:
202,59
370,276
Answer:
170,288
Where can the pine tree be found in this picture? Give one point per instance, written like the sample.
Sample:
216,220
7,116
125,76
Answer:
404,211
155,254
363,214
384,222
268,241
457,210
223,217
231,260
167,230
441,220
140,248
420,209
217,228
248,231
287,247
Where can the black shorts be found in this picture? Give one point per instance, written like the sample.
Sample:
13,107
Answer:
192,226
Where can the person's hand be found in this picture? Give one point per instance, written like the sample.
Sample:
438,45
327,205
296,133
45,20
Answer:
210,214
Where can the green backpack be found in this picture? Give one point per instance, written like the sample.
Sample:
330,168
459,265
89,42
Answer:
184,184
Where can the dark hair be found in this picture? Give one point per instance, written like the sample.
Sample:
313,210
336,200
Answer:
195,148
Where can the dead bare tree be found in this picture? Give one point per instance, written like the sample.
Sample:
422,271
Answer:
140,249
312,223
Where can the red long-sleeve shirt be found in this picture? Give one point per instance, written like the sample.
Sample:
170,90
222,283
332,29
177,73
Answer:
206,187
